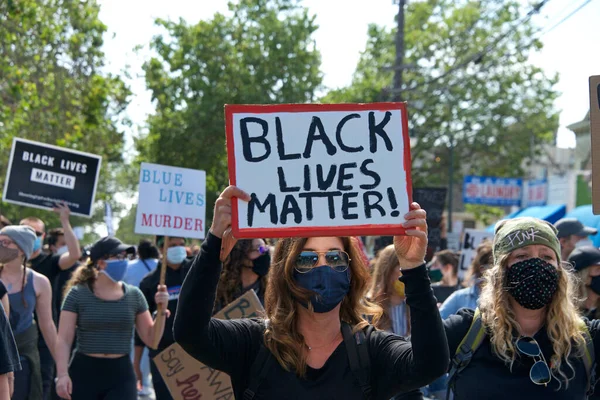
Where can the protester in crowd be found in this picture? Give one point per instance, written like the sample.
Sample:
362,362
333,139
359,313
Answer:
28,292
586,263
9,356
526,340
246,268
4,221
570,232
57,266
315,284
103,311
469,296
388,292
136,270
447,262
177,267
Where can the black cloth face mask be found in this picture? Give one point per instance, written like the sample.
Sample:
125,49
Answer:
261,265
532,283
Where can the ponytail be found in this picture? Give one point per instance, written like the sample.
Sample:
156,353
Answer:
86,274
23,281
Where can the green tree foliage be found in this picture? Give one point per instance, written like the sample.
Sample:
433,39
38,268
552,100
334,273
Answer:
467,78
53,90
261,52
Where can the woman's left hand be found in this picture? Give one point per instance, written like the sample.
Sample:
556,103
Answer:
162,297
412,247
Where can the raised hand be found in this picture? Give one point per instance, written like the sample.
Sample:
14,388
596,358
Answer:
412,247
222,215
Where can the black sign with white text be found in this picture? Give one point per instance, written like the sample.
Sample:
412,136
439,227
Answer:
41,175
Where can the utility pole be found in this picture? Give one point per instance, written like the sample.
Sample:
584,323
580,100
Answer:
399,64
450,183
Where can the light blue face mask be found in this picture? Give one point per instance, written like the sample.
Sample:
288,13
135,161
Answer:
37,244
115,269
176,255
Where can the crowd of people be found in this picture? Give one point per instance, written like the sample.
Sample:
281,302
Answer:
83,323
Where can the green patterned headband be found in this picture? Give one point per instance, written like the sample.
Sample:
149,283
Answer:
512,234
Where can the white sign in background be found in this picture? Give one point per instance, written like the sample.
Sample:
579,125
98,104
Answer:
339,202
468,247
172,201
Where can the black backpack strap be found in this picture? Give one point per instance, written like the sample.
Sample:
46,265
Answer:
259,371
467,347
357,347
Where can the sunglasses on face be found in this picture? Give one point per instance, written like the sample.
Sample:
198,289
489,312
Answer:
39,234
539,372
120,257
336,259
261,250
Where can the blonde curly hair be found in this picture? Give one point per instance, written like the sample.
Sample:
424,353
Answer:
563,321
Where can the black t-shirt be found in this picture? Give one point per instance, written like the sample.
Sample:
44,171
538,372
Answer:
173,281
231,346
9,356
487,377
3,290
441,293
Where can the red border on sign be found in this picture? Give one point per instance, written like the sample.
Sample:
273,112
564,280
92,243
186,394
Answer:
351,230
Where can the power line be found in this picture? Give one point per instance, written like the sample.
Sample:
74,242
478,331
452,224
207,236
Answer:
479,55
567,17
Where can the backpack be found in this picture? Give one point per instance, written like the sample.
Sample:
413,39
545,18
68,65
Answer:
475,335
357,346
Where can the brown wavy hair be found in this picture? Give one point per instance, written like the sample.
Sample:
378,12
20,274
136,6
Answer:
230,282
385,264
283,296
583,290
562,319
83,275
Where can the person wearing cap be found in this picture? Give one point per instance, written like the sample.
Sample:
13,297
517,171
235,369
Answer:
28,292
586,264
533,336
103,311
571,231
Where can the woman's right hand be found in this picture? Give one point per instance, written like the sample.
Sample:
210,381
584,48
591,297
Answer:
222,215
64,387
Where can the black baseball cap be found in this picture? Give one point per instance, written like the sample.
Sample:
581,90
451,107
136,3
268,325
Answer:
571,226
108,246
584,257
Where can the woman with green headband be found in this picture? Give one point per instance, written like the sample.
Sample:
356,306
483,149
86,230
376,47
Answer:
527,340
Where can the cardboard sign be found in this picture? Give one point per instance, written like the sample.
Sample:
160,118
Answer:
433,201
468,249
492,191
319,170
172,201
595,136
41,175
189,379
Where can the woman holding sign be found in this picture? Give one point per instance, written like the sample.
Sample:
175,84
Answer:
104,310
314,303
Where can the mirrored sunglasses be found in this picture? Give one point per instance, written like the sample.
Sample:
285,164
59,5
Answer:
336,259
539,372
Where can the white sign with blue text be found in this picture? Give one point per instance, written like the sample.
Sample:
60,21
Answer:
172,201
492,191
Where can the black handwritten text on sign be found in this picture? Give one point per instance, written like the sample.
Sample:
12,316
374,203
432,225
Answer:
310,167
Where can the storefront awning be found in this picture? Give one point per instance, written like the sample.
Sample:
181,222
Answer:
550,213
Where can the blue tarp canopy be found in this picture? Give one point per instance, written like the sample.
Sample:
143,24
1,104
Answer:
548,213
585,215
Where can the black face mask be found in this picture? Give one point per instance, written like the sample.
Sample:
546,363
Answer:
261,265
595,285
532,283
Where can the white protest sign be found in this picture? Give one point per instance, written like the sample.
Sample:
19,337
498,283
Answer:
172,201
468,247
312,170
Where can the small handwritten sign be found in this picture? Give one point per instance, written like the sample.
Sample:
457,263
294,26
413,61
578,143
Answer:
189,379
